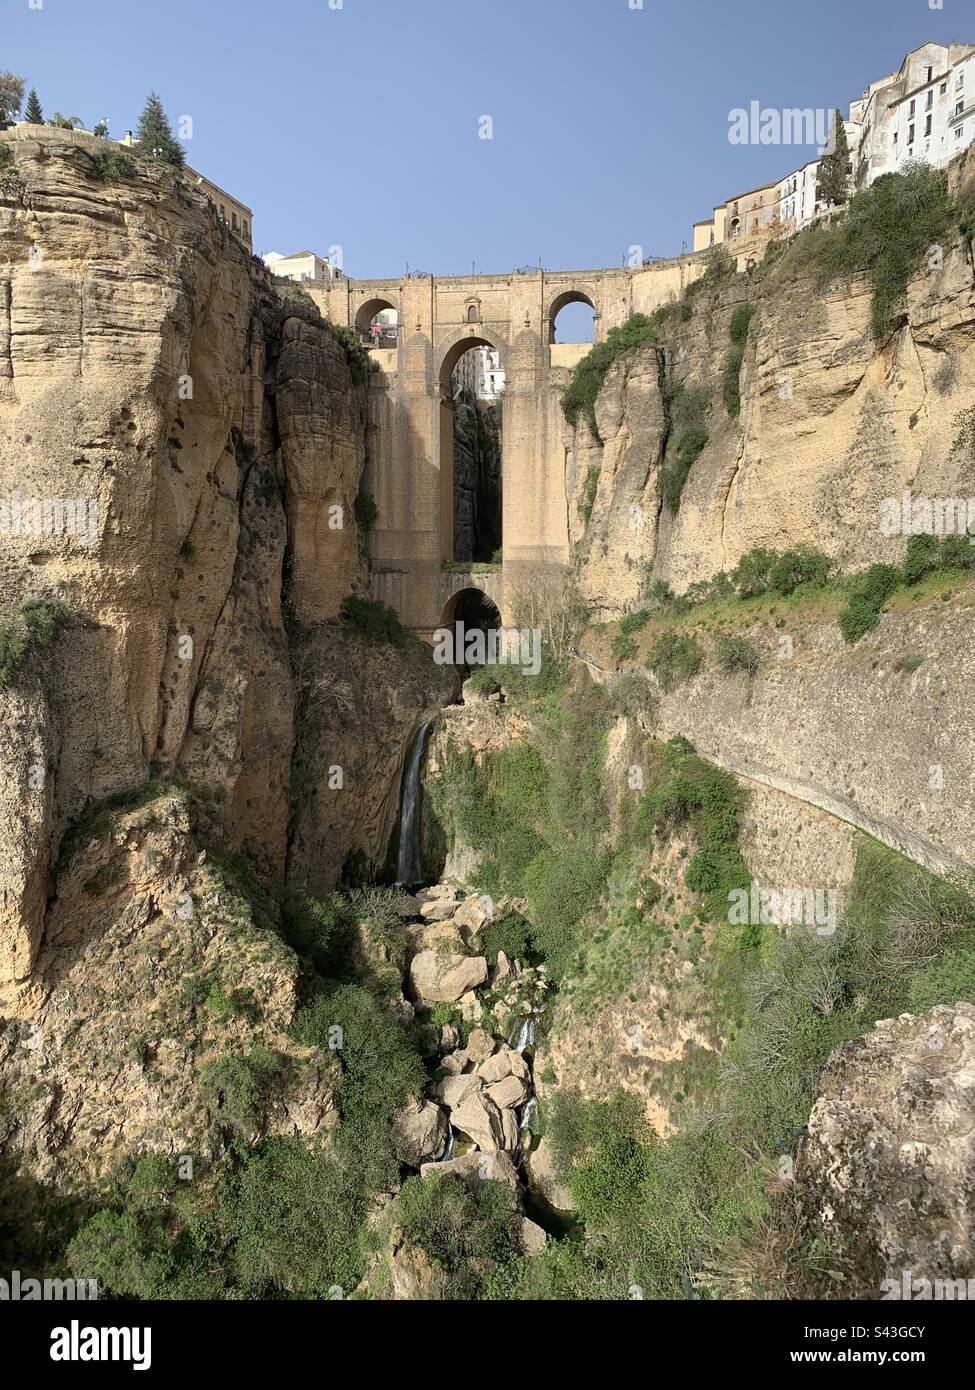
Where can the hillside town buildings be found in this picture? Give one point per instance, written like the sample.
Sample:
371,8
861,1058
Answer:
925,111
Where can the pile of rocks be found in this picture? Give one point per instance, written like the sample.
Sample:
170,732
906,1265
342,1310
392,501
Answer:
482,1086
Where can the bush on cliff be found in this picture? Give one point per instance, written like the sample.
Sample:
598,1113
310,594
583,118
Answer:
579,397
373,620
887,231
871,591
687,408
33,628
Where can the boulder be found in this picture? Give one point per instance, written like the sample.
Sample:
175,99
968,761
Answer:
475,913
475,1168
507,1094
480,1119
531,1238
444,976
501,971
480,1045
420,1131
438,903
470,1006
454,1090
506,1062
542,1175
510,1134
888,1161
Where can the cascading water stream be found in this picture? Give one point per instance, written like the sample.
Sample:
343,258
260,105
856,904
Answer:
409,866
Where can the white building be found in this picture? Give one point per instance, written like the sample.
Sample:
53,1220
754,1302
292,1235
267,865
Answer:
489,374
303,265
924,111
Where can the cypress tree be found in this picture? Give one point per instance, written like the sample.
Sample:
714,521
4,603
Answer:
834,168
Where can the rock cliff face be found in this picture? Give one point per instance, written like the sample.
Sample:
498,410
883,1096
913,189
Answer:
208,425
888,1164
831,424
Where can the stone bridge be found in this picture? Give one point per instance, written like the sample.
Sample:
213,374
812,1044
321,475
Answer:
410,470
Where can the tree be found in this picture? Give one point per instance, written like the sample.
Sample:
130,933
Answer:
156,139
11,95
33,112
65,122
834,169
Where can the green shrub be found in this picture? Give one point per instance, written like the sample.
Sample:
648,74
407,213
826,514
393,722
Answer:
237,1088
465,1232
588,499
692,791
687,408
318,929
623,646
579,397
296,1219
374,620
887,230
355,354
957,552
109,166
801,565
736,654
871,591
675,657
740,320
33,628
381,1072
923,556
510,933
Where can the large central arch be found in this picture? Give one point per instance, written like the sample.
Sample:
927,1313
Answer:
450,355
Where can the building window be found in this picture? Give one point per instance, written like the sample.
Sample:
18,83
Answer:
234,223
959,106
930,100
930,73
913,105
927,125
472,313
910,135
942,89
247,231
958,131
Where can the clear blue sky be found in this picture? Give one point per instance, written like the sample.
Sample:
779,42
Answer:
358,126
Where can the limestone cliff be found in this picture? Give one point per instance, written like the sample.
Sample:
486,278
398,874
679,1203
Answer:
831,423
213,425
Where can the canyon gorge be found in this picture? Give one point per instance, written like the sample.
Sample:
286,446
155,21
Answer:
327,970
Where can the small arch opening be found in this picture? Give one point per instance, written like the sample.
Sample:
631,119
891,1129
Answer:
377,324
478,616
572,319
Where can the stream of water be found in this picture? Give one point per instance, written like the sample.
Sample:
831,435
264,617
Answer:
409,865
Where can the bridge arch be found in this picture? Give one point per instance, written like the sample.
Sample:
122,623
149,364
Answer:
562,301
367,311
483,508
472,606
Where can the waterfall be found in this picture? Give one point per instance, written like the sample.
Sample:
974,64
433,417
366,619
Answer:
409,868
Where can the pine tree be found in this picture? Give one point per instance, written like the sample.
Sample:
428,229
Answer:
156,139
834,169
32,111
